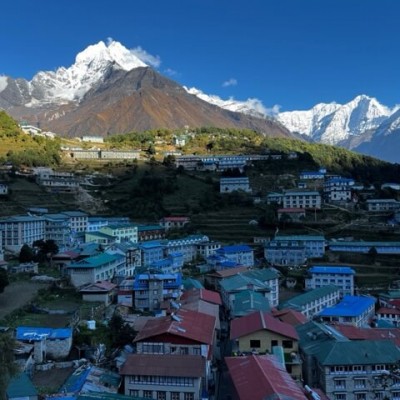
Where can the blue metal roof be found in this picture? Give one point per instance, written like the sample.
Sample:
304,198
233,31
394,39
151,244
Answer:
331,269
350,306
234,248
36,334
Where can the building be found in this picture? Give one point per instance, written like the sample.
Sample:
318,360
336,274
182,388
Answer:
262,377
343,277
260,332
150,232
49,343
119,154
170,377
186,245
294,250
240,254
229,185
338,189
308,199
92,139
3,189
96,268
357,369
102,292
121,232
185,332
56,181
150,290
364,247
21,229
377,205
311,175
274,198
314,301
174,222
248,302
57,228
78,221
351,310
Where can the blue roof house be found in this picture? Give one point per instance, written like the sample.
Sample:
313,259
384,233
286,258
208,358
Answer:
241,254
49,343
21,387
351,310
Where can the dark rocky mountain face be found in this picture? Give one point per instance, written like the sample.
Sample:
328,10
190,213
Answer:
124,101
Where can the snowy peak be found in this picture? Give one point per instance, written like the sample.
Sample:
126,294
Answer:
334,123
100,53
90,67
251,106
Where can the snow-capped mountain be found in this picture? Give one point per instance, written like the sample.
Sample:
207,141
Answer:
334,123
110,89
251,106
71,84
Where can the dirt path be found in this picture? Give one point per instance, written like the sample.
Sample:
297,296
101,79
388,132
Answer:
16,295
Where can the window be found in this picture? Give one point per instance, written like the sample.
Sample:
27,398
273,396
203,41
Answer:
189,396
274,343
148,394
175,396
360,396
134,393
340,384
359,383
340,396
161,395
287,344
255,344
184,350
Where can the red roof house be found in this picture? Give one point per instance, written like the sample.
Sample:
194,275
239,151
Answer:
262,377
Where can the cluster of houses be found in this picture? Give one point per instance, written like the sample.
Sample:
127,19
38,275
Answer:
324,343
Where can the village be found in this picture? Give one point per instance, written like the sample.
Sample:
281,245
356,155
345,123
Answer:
287,314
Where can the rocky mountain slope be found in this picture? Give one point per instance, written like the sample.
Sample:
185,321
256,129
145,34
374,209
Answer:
109,90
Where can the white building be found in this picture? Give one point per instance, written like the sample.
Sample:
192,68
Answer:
319,276
302,199
229,185
338,189
21,229
383,205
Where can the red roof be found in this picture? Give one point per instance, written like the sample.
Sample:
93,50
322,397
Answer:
165,365
262,377
290,316
187,324
229,272
356,333
258,321
202,294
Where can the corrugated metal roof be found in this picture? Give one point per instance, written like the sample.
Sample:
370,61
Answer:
21,387
349,306
358,352
331,269
25,333
261,378
259,321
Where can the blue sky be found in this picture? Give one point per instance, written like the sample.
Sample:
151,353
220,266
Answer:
292,53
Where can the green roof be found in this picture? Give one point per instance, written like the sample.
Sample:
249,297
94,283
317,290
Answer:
299,237
239,280
21,386
190,283
265,274
358,352
307,297
96,261
249,301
